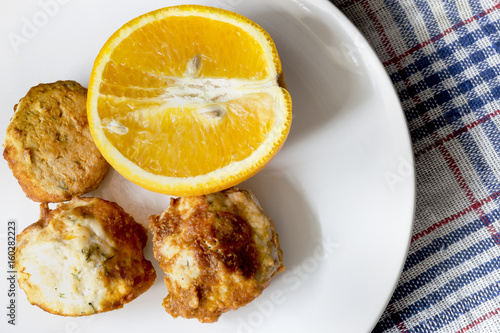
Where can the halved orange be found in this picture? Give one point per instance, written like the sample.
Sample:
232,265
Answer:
188,100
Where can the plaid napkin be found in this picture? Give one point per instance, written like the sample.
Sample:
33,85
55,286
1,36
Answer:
443,57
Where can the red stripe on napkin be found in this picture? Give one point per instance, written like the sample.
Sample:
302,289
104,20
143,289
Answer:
479,320
458,132
455,216
441,35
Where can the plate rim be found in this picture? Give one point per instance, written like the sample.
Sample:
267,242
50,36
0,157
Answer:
352,28
347,22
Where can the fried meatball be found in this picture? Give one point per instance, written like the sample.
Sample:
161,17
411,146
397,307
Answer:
84,257
48,145
218,251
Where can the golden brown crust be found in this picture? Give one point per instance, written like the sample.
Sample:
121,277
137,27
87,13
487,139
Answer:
48,145
218,252
100,248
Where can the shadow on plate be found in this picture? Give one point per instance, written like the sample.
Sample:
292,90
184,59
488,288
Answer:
136,201
323,73
297,226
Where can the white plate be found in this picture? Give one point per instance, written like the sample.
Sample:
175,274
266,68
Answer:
341,190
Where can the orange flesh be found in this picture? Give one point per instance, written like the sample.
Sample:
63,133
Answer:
173,140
